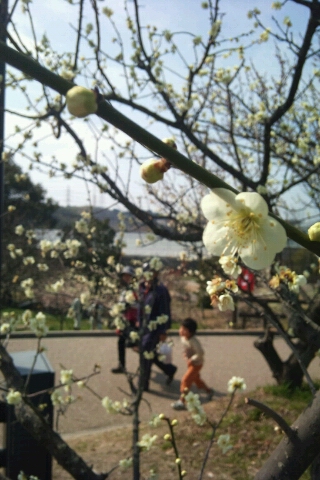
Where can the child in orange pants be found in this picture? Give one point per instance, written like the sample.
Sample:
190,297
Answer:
194,355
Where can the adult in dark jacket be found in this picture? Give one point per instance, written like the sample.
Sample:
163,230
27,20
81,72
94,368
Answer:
130,316
154,303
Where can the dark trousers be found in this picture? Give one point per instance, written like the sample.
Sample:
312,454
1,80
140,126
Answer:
122,350
167,368
149,344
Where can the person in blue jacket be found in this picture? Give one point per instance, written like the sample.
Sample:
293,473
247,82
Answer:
154,302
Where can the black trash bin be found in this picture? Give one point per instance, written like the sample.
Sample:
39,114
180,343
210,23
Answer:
21,451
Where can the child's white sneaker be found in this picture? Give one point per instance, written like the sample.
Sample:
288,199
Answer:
178,405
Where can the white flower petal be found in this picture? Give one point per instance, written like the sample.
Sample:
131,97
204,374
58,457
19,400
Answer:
215,239
254,202
214,207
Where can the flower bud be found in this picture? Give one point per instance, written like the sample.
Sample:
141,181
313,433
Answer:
167,436
152,170
170,142
81,101
174,422
314,232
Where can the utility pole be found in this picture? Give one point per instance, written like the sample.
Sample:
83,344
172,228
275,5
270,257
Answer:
3,37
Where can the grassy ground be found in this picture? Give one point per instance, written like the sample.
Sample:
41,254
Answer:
252,435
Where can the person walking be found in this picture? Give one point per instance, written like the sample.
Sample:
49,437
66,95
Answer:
130,315
194,356
154,303
95,311
77,313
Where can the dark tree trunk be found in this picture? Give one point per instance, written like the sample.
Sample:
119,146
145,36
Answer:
285,372
293,456
315,468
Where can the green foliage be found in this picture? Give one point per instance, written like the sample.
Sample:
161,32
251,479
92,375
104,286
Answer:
33,210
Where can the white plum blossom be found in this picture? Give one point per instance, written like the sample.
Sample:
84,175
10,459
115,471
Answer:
156,264
19,230
26,316
155,421
85,298
66,377
224,443
225,302
117,308
38,325
72,248
148,355
43,267
134,336
195,408
162,319
111,260
239,225
56,287
130,297
147,309
119,323
236,383
113,407
147,441
56,398
28,260
152,325
5,328
298,281
125,463
82,226
14,397
230,265
45,246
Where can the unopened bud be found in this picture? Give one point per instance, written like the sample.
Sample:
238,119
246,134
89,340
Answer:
152,170
170,142
314,232
81,101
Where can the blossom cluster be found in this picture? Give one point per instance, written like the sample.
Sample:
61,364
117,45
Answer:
114,406
195,408
287,277
219,292
147,441
14,397
36,323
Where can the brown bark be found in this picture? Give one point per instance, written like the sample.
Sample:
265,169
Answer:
292,457
285,372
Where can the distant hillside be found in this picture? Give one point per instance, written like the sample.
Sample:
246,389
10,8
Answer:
66,216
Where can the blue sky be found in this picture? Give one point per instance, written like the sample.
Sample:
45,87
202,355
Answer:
54,17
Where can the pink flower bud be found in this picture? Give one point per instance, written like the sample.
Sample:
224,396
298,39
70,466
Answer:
81,101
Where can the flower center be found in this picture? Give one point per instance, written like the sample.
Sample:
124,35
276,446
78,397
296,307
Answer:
245,225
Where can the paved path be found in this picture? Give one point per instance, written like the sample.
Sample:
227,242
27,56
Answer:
225,356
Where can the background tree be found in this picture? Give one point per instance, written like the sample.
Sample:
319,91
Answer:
253,141
29,210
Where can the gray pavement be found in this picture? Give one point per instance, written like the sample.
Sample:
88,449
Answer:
226,356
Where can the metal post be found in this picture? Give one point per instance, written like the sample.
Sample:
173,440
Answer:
3,37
